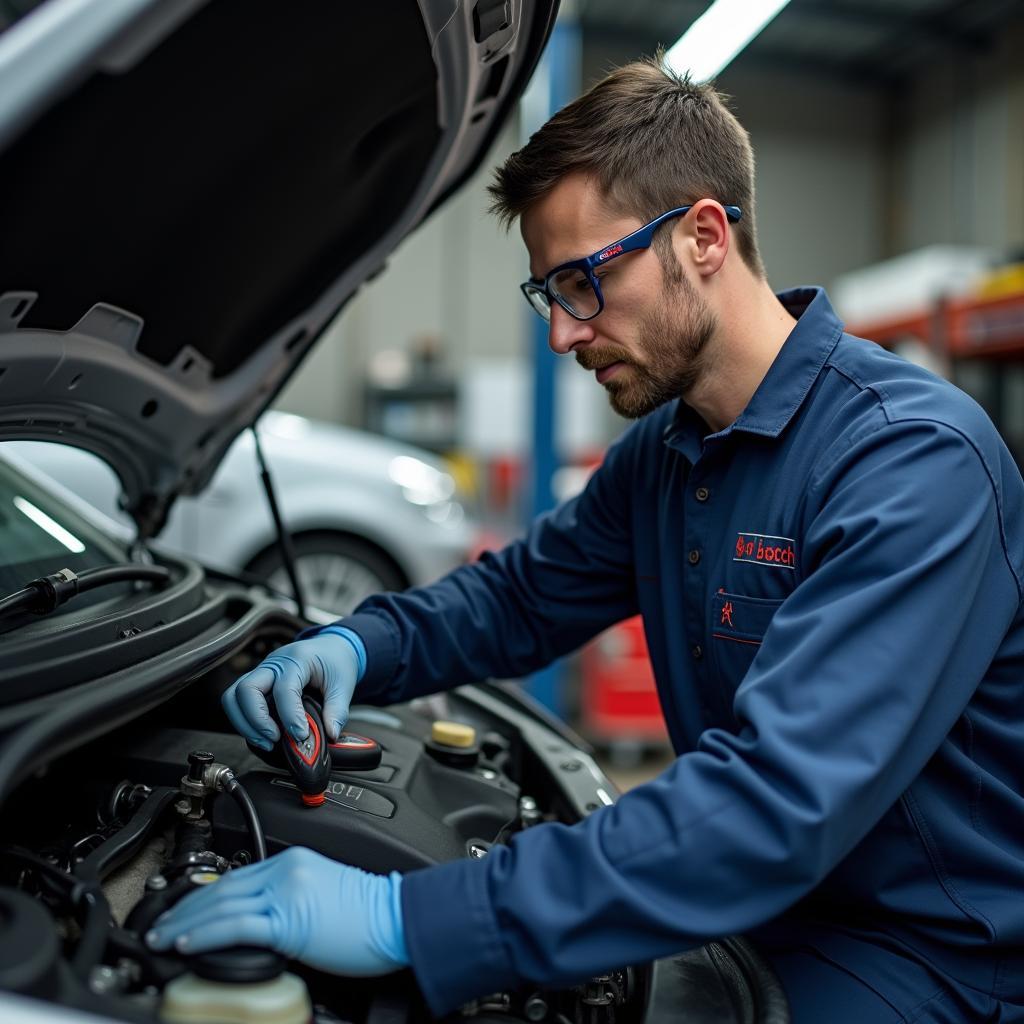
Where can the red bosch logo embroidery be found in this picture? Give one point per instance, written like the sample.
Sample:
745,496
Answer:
609,253
764,549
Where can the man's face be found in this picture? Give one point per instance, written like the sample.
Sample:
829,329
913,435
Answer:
649,343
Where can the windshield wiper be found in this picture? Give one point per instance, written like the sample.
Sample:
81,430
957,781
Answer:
48,593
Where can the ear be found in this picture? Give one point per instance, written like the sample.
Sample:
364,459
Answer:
706,236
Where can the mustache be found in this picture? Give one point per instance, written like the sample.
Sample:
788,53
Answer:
591,359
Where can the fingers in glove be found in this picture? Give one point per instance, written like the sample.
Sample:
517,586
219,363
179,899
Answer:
184,923
337,688
239,884
245,704
292,677
244,930
336,702
334,721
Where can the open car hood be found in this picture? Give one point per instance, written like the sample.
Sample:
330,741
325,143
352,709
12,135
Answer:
191,189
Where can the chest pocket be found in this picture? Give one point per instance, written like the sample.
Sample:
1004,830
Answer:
738,625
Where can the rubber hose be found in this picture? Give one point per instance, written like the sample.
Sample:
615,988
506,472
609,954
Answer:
20,601
90,579
252,820
95,922
128,840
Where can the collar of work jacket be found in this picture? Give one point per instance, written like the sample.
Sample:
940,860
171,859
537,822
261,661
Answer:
786,384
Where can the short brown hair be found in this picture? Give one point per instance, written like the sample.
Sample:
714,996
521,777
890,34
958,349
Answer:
653,140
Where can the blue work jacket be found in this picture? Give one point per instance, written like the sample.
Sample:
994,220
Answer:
831,593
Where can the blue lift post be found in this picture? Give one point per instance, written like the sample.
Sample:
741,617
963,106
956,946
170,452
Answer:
556,83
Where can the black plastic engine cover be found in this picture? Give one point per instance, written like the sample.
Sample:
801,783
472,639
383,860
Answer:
409,812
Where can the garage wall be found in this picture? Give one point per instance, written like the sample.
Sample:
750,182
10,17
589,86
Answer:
820,173
958,159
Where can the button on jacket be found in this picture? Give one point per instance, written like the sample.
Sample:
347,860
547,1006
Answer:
831,592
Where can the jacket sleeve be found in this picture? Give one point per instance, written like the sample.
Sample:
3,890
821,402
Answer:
513,611
863,671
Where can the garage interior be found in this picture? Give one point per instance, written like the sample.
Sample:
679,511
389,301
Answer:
889,139
221,656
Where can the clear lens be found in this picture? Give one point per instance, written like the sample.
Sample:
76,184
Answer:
573,288
539,300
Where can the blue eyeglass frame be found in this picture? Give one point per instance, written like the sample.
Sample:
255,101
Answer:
639,239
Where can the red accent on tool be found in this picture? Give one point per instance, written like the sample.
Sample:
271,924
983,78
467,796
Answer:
351,752
351,740
311,760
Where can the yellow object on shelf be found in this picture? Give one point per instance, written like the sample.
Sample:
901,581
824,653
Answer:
465,472
1003,281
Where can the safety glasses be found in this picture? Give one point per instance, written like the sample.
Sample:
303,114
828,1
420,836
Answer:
577,288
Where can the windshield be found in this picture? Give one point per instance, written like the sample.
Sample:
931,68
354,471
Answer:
41,534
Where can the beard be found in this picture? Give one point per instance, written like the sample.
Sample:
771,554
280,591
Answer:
672,344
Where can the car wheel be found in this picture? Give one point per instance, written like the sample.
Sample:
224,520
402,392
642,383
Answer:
335,572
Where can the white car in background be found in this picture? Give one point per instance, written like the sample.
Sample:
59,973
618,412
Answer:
365,513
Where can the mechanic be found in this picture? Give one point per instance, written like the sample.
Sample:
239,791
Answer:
826,545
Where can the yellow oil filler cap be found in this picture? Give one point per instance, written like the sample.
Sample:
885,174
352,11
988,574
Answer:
453,734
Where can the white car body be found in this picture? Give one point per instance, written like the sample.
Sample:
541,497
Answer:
328,480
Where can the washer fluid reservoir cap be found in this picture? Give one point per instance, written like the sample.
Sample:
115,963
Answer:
453,734
239,965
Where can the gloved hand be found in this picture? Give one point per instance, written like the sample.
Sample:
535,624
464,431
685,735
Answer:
332,661
328,915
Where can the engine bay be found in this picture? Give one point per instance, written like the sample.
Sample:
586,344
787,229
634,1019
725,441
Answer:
101,841
121,796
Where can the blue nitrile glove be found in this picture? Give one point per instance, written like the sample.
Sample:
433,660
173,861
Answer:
310,908
332,661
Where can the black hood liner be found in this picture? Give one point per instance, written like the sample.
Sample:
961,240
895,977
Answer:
159,190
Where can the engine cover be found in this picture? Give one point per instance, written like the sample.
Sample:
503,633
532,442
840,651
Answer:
409,812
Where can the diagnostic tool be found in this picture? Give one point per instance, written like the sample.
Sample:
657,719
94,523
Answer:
310,762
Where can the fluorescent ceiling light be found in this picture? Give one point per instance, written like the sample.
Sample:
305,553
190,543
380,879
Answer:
51,526
712,41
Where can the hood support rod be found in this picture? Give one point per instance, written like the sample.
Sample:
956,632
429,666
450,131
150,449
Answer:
284,539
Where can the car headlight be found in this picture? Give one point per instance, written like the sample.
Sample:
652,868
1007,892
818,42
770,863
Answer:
426,487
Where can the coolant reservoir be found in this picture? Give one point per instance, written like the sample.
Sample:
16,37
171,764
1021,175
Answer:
190,999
